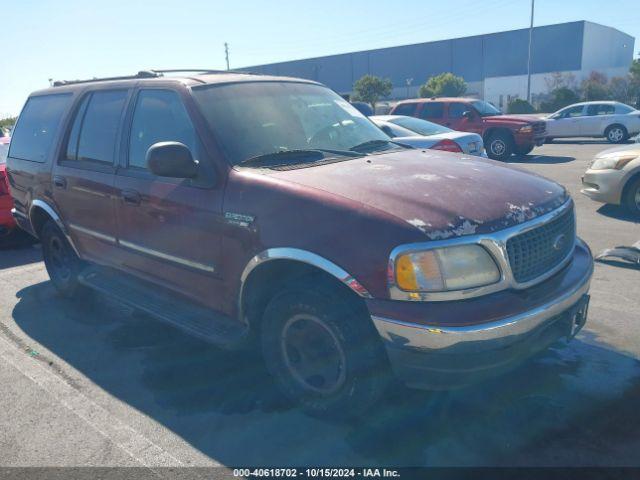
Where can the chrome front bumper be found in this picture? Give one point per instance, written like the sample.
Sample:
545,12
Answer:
436,356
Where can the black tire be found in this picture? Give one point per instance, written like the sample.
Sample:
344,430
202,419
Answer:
499,146
313,320
616,134
61,261
523,150
631,198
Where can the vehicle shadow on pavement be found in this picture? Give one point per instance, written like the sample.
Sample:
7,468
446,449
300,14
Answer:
541,159
573,405
587,141
618,212
19,255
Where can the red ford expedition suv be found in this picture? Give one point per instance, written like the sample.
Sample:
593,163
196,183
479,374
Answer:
502,134
268,213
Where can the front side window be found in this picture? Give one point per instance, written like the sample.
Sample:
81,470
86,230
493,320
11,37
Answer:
254,119
570,112
485,109
37,127
95,128
159,116
432,110
457,109
600,109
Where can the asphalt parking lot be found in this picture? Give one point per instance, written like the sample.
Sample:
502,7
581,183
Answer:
87,383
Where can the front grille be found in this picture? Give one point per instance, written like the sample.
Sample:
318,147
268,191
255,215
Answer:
539,128
535,252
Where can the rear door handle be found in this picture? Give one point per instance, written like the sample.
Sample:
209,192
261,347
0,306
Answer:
131,197
59,181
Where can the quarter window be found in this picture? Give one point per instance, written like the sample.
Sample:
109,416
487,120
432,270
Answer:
37,127
159,116
432,110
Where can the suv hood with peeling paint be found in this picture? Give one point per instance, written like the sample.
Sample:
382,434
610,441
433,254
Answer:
442,194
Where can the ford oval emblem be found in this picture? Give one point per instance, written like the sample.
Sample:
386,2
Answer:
558,242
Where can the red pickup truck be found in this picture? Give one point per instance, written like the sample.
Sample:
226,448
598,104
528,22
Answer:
268,213
503,135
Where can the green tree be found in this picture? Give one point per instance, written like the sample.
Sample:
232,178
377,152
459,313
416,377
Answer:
6,123
443,85
595,87
634,82
370,89
518,105
559,98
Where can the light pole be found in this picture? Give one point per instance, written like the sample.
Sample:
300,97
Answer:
529,56
226,53
409,82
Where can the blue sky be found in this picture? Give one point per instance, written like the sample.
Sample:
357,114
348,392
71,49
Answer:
65,39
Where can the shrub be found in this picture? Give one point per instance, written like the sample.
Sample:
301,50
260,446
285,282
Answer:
517,105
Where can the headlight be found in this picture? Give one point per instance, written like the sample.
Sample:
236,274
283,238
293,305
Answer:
443,269
611,162
526,129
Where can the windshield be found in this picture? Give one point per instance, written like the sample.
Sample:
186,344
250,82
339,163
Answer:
421,127
263,118
485,109
4,150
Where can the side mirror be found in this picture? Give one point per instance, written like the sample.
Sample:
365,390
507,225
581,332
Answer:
171,159
468,114
386,129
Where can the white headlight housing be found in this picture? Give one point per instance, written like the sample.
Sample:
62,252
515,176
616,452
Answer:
445,269
612,162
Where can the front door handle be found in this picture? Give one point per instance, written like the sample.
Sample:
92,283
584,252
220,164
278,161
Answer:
131,197
60,182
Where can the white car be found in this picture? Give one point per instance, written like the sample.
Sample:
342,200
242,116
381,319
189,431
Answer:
613,120
423,134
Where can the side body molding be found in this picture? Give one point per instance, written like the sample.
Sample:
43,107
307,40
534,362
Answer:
302,256
56,218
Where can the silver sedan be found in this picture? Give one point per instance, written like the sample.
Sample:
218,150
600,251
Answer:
422,134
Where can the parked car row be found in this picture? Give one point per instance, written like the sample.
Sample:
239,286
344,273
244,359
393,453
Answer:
268,213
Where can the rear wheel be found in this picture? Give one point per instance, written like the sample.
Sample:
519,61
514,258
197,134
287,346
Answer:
632,197
62,263
499,146
323,352
616,134
523,149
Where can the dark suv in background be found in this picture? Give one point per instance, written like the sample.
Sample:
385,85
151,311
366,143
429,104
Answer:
503,135
268,213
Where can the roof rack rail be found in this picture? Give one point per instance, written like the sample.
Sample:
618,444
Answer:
140,74
152,73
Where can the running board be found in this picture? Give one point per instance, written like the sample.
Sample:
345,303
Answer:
164,305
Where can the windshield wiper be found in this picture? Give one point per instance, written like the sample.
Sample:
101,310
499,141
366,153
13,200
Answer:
376,143
312,154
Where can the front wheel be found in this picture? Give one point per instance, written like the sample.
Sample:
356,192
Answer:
322,351
616,134
499,146
524,149
60,260
632,197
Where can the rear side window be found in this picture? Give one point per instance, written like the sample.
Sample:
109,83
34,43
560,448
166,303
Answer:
600,109
37,127
95,128
408,109
621,108
159,116
432,110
